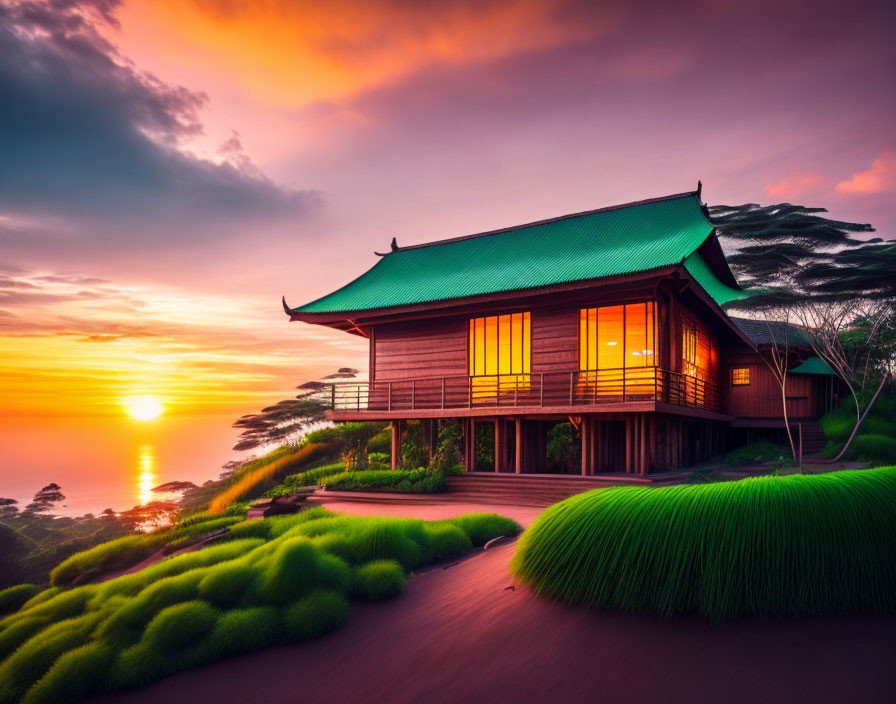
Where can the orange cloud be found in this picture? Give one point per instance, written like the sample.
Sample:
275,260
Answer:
289,52
880,177
795,185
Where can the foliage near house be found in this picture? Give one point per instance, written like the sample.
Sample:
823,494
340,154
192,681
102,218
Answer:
412,480
757,453
876,440
277,580
787,546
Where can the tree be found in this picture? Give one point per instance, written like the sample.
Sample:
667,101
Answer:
8,508
290,418
810,269
44,499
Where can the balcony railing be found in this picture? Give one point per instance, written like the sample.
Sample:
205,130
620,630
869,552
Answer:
544,390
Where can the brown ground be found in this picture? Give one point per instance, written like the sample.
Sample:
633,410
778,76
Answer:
463,633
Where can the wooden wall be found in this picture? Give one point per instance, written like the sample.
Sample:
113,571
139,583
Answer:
555,340
762,398
419,349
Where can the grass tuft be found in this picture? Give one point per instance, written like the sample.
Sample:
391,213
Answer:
788,546
13,598
379,580
73,675
180,626
482,527
447,541
318,613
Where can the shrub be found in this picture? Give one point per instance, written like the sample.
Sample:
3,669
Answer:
246,630
318,613
227,584
336,544
29,663
106,557
872,448
59,607
73,675
12,598
310,477
180,626
378,460
288,583
379,580
766,546
291,572
18,632
447,541
391,539
126,624
41,597
482,527
758,452
333,572
417,480
381,442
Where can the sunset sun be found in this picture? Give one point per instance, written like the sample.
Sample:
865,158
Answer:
144,407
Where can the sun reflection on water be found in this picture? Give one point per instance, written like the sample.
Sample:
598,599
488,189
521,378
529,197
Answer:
146,474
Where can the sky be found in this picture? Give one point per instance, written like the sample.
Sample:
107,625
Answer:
170,168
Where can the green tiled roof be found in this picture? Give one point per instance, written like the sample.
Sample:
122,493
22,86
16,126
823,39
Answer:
721,293
601,243
813,365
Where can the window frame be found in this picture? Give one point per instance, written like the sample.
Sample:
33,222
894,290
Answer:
749,374
584,343
520,332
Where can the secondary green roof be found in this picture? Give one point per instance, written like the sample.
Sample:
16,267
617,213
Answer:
813,365
601,243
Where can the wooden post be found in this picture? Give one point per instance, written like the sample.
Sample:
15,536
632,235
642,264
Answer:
518,447
586,444
628,443
396,443
595,445
472,465
432,436
642,421
500,445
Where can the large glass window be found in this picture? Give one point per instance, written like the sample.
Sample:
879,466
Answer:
501,345
616,337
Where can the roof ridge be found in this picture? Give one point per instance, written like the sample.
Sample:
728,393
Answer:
546,221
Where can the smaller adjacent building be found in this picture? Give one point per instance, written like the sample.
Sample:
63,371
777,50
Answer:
610,320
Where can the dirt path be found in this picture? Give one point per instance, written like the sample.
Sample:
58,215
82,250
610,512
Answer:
465,634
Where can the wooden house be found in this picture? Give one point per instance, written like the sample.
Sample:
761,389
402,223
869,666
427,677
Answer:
609,319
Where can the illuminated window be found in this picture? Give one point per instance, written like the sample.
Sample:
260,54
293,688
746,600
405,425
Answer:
616,337
740,376
501,345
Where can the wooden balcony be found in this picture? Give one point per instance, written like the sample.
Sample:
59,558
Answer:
634,389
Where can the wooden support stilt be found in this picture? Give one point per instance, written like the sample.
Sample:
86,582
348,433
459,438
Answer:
584,427
396,443
642,460
518,446
595,446
628,443
500,445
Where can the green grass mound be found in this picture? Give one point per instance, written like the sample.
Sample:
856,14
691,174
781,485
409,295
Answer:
379,580
410,480
447,541
13,598
870,448
180,626
271,581
758,453
318,613
787,546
